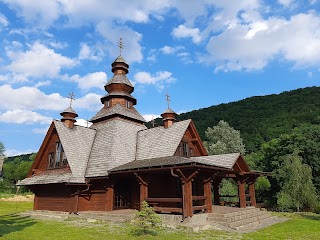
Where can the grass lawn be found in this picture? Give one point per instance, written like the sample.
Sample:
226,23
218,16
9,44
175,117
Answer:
15,227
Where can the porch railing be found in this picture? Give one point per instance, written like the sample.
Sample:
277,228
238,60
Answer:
159,204
163,204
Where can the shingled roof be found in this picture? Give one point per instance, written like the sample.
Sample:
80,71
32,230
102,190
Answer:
77,143
114,145
225,161
160,142
46,178
120,78
118,109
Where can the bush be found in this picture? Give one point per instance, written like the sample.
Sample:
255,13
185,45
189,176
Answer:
146,221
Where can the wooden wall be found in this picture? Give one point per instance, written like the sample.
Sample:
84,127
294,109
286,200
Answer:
53,198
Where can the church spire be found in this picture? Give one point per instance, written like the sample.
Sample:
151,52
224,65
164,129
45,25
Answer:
169,116
69,115
118,101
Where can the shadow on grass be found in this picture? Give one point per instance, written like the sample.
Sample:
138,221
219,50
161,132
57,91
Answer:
310,217
13,223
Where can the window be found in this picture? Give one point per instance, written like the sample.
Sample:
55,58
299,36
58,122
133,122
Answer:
108,104
58,154
51,160
127,104
64,158
185,149
57,159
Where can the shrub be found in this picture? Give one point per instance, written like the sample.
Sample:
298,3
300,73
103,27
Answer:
146,221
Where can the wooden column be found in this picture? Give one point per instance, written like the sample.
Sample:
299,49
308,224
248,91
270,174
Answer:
187,198
35,203
187,204
252,194
143,189
109,198
216,195
242,194
208,194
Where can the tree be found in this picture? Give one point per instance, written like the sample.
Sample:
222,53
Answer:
297,190
146,221
16,169
303,141
223,139
2,149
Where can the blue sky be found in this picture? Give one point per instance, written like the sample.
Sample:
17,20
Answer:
202,52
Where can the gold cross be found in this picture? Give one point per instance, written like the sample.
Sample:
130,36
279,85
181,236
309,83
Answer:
168,99
120,45
71,96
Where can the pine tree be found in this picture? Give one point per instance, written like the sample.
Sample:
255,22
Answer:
146,221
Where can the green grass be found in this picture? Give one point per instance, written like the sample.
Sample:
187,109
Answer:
16,227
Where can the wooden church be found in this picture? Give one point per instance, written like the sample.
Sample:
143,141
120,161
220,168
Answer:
118,162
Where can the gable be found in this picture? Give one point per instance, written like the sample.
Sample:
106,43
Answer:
191,144
159,141
240,165
77,143
75,149
41,162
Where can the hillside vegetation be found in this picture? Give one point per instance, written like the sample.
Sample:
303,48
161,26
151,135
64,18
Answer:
262,118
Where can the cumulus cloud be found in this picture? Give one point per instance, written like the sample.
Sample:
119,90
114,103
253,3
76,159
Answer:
83,123
24,117
91,80
159,79
285,3
149,117
42,131
253,46
3,21
31,98
184,32
38,61
42,83
170,50
42,14
133,52
90,53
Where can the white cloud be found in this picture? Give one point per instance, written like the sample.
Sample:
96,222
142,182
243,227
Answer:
170,50
42,131
159,79
83,123
90,53
149,117
24,117
91,80
285,3
152,55
43,83
31,98
42,14
131,39
253,46
38,61
3,21
14,152
183,32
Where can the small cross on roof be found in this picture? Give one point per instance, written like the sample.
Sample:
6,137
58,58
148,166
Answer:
72,97
120,45
168,100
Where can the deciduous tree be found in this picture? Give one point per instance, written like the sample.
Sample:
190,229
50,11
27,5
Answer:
223,139
297,189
